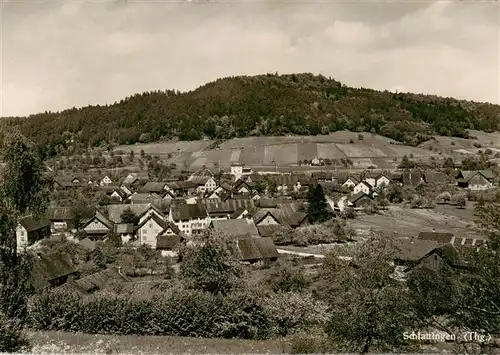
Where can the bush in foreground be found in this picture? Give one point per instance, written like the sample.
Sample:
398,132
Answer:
12,338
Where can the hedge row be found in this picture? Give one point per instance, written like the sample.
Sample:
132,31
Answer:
183,313
178,312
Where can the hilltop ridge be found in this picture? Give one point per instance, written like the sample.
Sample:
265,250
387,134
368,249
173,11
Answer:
262,105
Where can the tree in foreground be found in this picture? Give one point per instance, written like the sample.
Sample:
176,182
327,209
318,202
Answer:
317,207
24,189
210,263
369,308
466,298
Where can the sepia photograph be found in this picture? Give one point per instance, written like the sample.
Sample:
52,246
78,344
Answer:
249,177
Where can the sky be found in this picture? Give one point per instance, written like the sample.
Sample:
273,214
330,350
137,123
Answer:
63,54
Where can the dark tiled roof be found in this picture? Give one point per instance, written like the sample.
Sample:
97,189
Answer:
262,213
236,228
48,267
230,206
254,249
154,187
32,225
414,249
437,237
356,197
188,211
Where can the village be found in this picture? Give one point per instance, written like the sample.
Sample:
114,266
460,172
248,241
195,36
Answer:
265,212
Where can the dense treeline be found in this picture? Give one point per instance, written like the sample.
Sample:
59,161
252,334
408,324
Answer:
301,104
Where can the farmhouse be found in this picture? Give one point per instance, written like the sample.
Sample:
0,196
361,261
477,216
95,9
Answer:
415,252
359,200
220,210
473,180
266,216
169,238
362,187
257,249
350,182
242,187
382,180
59,217
148,230
190,218
29,231
98,226
66,182
52,270
204,183
127,189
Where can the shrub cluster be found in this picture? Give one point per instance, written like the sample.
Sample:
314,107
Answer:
331,231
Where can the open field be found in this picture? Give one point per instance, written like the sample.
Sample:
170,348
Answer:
410,222
77,343
460,146
372,150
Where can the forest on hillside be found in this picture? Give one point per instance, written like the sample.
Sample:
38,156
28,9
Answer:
271,104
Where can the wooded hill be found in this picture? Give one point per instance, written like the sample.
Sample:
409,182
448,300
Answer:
298,104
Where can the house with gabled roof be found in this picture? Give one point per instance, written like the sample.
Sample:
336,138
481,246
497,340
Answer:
106,180
52,270
473,180
266,216
350,182
416,253
67,182
59,217
363,187
97,281
98,226
149,229
253,250
204,183
169,238
189,218
242,187
359,200
30,231
383,180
